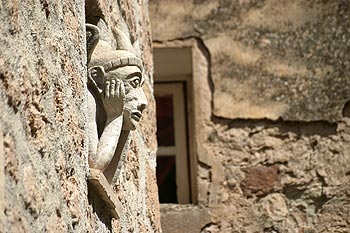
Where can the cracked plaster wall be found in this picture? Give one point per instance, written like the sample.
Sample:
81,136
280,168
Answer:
43,153
273,155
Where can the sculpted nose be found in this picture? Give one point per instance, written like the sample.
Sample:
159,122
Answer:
143,107
143,102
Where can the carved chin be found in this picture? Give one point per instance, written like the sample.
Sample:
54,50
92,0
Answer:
130,121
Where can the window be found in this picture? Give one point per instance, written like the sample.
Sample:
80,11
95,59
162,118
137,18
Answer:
174,156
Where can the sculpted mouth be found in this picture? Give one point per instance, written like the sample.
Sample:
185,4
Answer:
136,115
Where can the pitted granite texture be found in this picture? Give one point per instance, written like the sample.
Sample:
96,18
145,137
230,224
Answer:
43,119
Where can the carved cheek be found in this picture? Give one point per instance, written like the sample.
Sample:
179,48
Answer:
128,87
131,98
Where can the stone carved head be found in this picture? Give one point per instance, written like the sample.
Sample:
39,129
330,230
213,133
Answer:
106,63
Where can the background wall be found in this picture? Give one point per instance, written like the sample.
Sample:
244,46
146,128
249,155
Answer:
43,144
275,156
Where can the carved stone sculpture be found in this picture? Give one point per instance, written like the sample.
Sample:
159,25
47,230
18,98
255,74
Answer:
115,97
115,105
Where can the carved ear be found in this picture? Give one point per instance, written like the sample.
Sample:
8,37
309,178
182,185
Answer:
92,38
97,75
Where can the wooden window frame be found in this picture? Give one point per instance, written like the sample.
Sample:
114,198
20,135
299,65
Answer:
180,134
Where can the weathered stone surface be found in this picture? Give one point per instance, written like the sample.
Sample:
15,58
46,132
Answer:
274,210
183,218
269,59
260,180
43,108
312,162
42,115
101,189
280,60
2,180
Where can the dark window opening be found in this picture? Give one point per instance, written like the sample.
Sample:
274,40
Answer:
166,179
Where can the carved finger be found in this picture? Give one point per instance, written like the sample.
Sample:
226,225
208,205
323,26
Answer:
122,91
117,89
107,89
93,72
112,88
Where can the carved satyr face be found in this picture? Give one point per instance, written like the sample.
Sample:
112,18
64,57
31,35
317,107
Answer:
135,99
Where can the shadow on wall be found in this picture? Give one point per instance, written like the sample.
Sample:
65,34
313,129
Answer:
346,110
92,9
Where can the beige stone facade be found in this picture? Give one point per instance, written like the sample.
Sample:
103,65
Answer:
268,91
272,145
43,119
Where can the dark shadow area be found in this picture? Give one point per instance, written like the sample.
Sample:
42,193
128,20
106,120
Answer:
93,20
166,179
93,9
293,192
346,110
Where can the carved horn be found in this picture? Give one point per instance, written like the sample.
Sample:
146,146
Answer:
123,42
92,38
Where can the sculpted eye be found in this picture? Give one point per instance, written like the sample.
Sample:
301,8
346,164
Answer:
135,79
135,82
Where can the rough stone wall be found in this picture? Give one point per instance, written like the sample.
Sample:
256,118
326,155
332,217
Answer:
278,176
43,143
275,157
284,55
42,86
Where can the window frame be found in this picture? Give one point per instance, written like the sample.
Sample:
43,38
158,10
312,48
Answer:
199,104
180,149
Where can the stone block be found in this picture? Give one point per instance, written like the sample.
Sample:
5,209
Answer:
183,218
260,180
104,191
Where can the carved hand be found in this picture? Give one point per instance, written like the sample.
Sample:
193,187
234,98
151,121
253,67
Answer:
113,98
96,79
